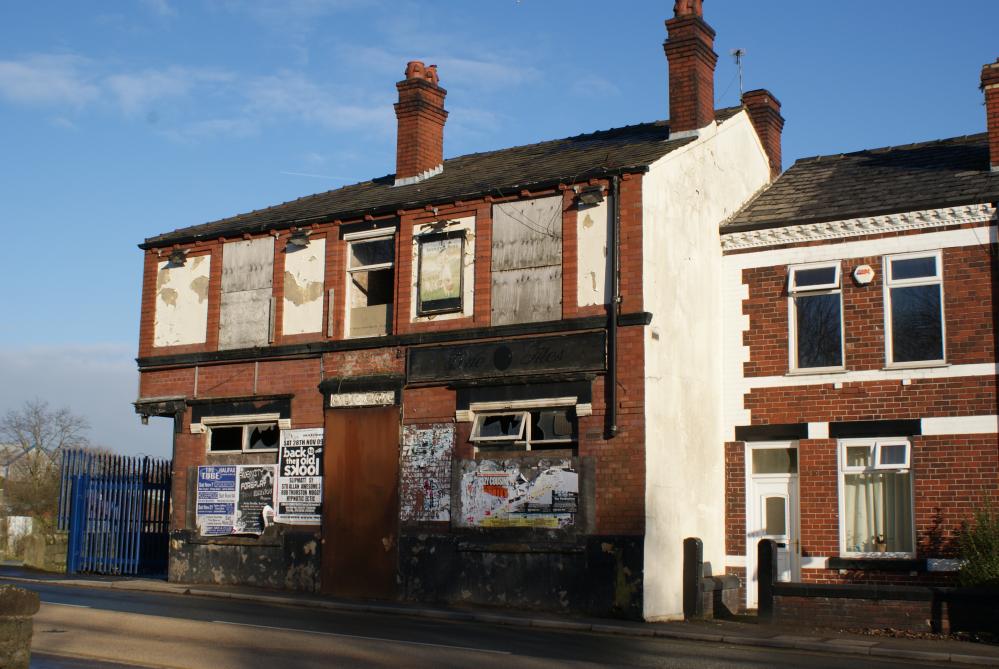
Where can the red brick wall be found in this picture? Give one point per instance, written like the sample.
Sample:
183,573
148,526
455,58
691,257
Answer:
873,400
852,613
967,310
735,498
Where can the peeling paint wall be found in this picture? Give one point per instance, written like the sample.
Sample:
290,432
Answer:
514,494
182,302
425,473
593,276
304,270
247,287
467,262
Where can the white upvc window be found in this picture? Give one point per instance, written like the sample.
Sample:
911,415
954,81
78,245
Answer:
370,283
815,315
875,498
536,429
914,309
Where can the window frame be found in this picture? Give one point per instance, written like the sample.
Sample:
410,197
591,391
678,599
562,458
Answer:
525,439
889,283
246,423
842,470
834,288
363,237
430,237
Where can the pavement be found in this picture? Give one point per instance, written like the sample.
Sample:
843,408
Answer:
745,631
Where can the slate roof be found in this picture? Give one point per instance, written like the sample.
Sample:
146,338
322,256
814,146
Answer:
928,175
465,177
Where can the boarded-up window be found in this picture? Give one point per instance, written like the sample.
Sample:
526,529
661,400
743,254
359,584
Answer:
527,261
304,270
182,302
247,282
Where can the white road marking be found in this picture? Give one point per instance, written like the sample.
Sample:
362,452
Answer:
75,606
364,638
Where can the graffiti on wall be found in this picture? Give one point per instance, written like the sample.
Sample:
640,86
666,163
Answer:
425,472
542,495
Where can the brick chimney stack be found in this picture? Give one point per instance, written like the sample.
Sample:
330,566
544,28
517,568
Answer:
990,86
764,112
692,61
421,116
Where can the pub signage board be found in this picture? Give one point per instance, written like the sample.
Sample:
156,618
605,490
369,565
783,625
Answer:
580,352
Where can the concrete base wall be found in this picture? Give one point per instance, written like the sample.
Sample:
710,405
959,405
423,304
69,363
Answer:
279,558
596,575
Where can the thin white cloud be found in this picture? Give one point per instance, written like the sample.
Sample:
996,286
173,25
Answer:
213,128
135,92
59,79
292,94
592,85
161,8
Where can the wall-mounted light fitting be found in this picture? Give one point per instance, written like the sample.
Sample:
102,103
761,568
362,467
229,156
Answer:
299,239
178,257
591,196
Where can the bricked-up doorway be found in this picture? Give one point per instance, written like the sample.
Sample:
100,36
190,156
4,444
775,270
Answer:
361,502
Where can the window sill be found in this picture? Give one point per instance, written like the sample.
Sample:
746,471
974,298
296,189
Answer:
816,371
930,364
897,562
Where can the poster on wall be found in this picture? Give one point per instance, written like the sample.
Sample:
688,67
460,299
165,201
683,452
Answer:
496,494
216,503
440,272
300,477
256,493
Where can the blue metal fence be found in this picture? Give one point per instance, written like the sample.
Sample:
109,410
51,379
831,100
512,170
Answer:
116,510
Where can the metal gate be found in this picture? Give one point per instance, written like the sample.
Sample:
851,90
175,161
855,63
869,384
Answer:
116,510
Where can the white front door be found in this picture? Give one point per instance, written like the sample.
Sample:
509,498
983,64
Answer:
771,511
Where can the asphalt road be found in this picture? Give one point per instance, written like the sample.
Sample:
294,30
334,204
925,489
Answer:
84,628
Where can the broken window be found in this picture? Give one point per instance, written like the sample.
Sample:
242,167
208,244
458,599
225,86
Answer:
245,437
370,286
534,430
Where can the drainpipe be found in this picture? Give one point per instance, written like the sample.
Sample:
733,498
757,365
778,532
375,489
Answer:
615,305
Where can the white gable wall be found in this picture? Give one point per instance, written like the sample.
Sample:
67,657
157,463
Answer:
686,195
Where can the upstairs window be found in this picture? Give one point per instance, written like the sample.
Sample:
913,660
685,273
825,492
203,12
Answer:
370,285
914,308
534,430
440,272
816,317
876,497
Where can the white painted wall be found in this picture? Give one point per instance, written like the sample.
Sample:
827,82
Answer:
593,276
182,302
303,288
686,195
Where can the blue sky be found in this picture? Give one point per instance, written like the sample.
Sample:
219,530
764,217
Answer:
121,120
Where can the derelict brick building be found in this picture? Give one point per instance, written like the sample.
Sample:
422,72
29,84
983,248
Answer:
513,356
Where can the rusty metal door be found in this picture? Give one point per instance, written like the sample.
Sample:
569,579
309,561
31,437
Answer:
361,502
